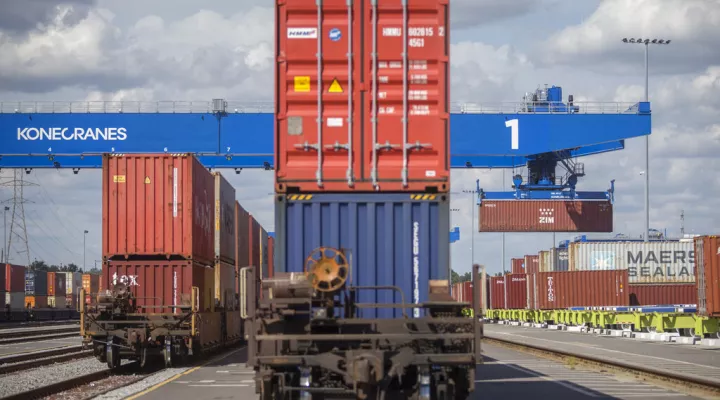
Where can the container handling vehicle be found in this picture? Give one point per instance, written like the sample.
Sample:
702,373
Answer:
307,339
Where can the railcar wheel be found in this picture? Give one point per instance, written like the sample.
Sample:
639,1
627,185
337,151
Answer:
112,354
168,352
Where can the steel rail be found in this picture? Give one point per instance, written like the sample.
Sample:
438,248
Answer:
34,360
676,378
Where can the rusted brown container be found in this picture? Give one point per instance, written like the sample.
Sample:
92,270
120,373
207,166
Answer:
516,287
532,264
159,205
497,292
271,256
663,294
517,265
56,284
242,235
255,243
225,240
556,290
707,273
160,285
545,216
12,278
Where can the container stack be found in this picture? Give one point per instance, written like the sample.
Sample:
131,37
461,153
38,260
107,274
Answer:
707,252
517,265
12,286
73,283
91,286
357,172
159,224
36,289
56,290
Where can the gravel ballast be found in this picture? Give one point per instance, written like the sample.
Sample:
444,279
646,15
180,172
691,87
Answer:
22,381
150,381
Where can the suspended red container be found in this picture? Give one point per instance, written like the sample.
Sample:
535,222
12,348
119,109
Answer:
545,216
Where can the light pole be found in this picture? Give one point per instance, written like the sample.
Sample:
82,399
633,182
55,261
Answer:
647,43
84,240
5,257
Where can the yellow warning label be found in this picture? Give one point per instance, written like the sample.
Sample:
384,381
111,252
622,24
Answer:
302,83
147,180
335,87
119,178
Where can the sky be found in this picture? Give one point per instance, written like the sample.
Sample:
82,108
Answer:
178,50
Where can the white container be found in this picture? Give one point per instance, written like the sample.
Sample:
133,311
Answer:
653,262
15,299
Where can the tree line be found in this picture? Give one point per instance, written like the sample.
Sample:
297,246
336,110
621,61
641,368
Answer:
39,265
467,277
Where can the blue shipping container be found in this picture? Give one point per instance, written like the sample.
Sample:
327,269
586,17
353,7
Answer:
390,239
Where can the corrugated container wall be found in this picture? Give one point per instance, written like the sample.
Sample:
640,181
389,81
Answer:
264,252
13,277
517,265
36,301
516,287
497,292
389,239
36,283
556,290
225,284
73,282
271,257
352,148
16,300
545,265
653,262
531,292
242,235
159,285
532,264
91,284
663,294
225,240
545,216
707,250
560,260
157,204
56,284
254,242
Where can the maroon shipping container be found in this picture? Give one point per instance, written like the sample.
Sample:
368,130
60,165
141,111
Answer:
56,284
254,242
516,288
354,144
157,204
271,256
532,264
531,289
242,235
557,290
12,278
497,292
225,240
707,273
518,265
662,294
545,216
160,284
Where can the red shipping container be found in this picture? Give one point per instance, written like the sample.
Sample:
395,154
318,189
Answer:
532,264
12,279
242,235
516,289
254,242
518,265
497,292
707,273
56,284
558,290
225,240
387,149
158,285
271,256
663,294
545,216
531,289
157,204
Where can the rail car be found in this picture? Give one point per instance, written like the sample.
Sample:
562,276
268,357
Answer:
305,336
8,314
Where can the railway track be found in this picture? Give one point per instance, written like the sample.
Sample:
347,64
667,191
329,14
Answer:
25,361
662,377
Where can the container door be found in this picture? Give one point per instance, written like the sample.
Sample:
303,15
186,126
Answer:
406,114
315,126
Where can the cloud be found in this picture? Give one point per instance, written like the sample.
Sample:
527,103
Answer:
470,13
19,17
692,25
